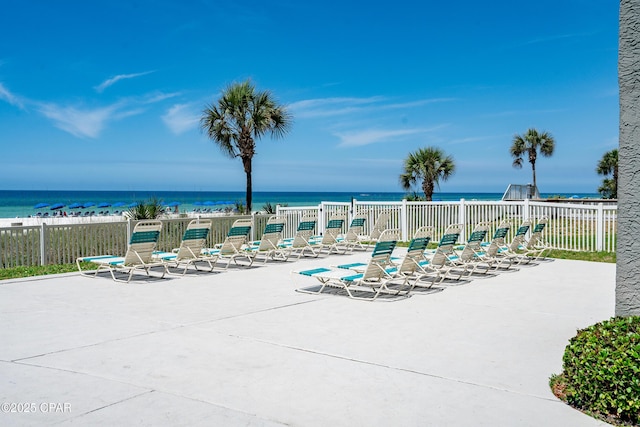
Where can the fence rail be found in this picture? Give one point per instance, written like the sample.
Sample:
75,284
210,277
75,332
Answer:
572,226
579,227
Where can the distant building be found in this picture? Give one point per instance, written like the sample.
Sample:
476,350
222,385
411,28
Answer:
521,192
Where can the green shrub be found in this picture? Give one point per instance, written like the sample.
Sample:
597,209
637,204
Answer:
150,209
601,369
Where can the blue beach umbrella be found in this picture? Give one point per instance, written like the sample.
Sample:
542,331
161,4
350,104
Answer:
41,205
132,205
173,204
75,205
104,205
57,206
119,204
208,203
88,204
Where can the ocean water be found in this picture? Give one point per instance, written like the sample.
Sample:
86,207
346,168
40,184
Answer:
14,204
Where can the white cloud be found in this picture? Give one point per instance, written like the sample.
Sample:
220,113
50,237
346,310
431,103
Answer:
522,112
81,123
9,97
477,139
181,118
105,84
366,137
326,107
158,96
418,103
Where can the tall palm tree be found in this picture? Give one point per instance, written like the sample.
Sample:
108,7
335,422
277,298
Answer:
529,145
429,165
241,116
608,165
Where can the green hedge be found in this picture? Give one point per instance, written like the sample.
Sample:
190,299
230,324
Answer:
601,369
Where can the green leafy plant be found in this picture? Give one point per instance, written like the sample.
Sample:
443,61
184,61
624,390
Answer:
271,209
414,197
150,209
240,207
608,166
601,370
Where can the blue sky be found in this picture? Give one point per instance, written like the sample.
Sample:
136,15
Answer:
108,95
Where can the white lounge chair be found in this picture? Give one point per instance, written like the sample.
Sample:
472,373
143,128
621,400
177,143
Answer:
270,245
415,265
234,244
379,226
191,248
300,244
329,240
139,255
373,282
353,237
513,251
444,259
472,257
495,247
533,249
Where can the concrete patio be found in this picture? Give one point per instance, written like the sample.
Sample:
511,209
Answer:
243,348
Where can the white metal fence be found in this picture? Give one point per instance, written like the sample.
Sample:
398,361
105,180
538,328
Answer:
579,227
63,243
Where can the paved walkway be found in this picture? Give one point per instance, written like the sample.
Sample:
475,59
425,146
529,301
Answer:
243,348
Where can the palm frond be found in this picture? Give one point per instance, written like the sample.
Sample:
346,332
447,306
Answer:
240,116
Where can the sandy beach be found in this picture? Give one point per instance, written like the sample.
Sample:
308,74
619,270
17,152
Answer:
58,220
61,220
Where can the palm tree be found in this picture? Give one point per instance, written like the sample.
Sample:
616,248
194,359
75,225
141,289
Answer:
429,165
528,145
608,165
241,116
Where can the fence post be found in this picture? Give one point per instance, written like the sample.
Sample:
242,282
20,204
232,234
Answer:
525,210
43,244
462,219
404,226
321,218
129,230
600,227
252,234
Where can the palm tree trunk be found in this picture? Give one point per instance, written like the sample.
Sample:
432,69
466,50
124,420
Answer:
427,188
533,168
628,262
246,162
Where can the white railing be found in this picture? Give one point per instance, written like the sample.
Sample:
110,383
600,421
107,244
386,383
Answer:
579,227
63,243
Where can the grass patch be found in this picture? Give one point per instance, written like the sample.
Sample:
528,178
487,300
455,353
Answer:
583,256
40,270
557,254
